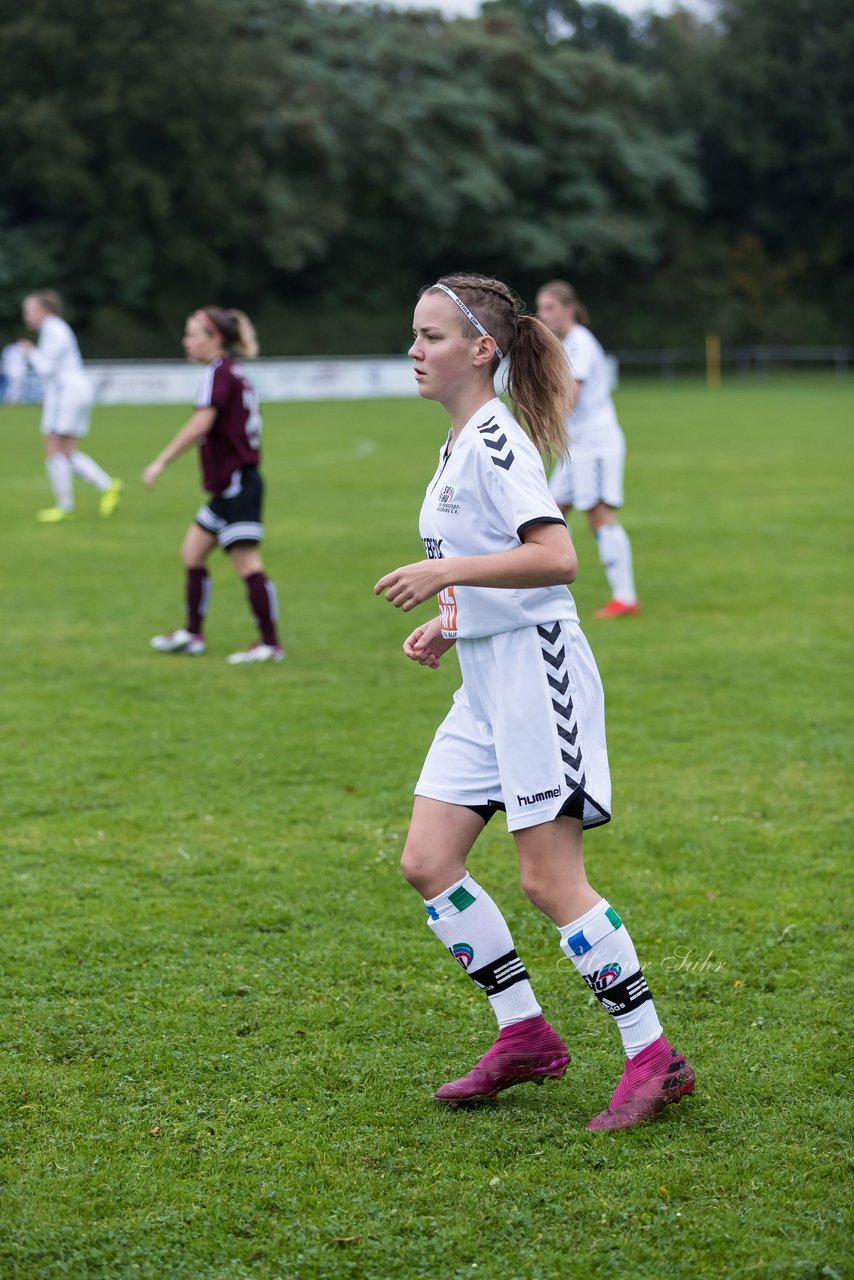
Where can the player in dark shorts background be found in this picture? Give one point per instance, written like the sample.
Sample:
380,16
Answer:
226,425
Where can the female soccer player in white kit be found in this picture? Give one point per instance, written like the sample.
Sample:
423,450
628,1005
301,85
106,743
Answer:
526,730
590,476
66,408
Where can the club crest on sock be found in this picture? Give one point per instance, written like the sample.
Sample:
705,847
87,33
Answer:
602,978
463,952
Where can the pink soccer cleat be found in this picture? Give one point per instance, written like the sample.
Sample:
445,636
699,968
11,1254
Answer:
657,1075
529,1050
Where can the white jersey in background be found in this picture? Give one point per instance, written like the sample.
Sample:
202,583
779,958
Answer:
484,493
593,422
57,357
67,390
13,364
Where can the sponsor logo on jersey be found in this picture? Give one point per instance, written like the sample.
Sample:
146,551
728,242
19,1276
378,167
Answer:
445,504
448,613
539,796
433,548
463,952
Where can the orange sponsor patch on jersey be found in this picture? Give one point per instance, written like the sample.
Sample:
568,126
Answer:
448,613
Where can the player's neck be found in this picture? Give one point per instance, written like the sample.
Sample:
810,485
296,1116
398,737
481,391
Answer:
465,406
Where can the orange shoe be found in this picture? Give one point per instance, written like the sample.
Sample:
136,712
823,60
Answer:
617,609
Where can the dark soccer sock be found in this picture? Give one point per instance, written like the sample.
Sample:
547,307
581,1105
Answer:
198,598
263,603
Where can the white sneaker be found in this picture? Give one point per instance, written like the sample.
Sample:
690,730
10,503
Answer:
180,641
258,653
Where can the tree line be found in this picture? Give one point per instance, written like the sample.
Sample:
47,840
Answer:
315,164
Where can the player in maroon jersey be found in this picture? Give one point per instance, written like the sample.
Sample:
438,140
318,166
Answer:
226,425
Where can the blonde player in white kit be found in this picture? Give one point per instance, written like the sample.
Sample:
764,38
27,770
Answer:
66,407
590,477
526,730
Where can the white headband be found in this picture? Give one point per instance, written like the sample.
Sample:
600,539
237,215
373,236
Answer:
470,316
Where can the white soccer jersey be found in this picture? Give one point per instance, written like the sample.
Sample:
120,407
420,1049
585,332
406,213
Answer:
57,358
593,421
484,493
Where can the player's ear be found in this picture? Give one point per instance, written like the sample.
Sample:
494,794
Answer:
485,351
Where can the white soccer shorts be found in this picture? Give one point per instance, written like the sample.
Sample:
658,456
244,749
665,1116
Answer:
526,729
67,409
587,477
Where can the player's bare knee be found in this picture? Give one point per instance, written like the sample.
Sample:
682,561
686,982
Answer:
535,887
414,867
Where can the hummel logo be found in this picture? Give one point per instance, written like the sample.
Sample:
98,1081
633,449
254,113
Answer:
539,796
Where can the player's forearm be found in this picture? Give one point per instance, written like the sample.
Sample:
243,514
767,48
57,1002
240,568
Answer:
530,565
189,435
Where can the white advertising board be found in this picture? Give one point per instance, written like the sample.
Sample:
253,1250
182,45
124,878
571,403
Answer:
175,382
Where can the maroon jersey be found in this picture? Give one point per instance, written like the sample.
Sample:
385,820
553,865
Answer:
234,439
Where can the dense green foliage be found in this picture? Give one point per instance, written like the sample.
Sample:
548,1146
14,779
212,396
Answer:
316,163
222,1014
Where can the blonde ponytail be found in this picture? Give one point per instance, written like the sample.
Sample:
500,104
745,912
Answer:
540,385
246,342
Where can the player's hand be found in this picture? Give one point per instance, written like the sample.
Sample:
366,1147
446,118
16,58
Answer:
151,472
25,344
412,584
427,644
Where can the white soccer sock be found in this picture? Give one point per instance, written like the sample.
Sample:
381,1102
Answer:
475,932
87,469
599,946
61,480
615,552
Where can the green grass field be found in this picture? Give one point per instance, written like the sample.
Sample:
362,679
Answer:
222,1014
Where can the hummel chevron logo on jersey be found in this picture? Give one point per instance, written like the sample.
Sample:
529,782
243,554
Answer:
503,460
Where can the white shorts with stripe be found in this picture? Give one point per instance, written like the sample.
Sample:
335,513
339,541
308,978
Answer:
588,476
526,729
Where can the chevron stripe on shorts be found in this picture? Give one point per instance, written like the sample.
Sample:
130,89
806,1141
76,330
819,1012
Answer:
553,650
